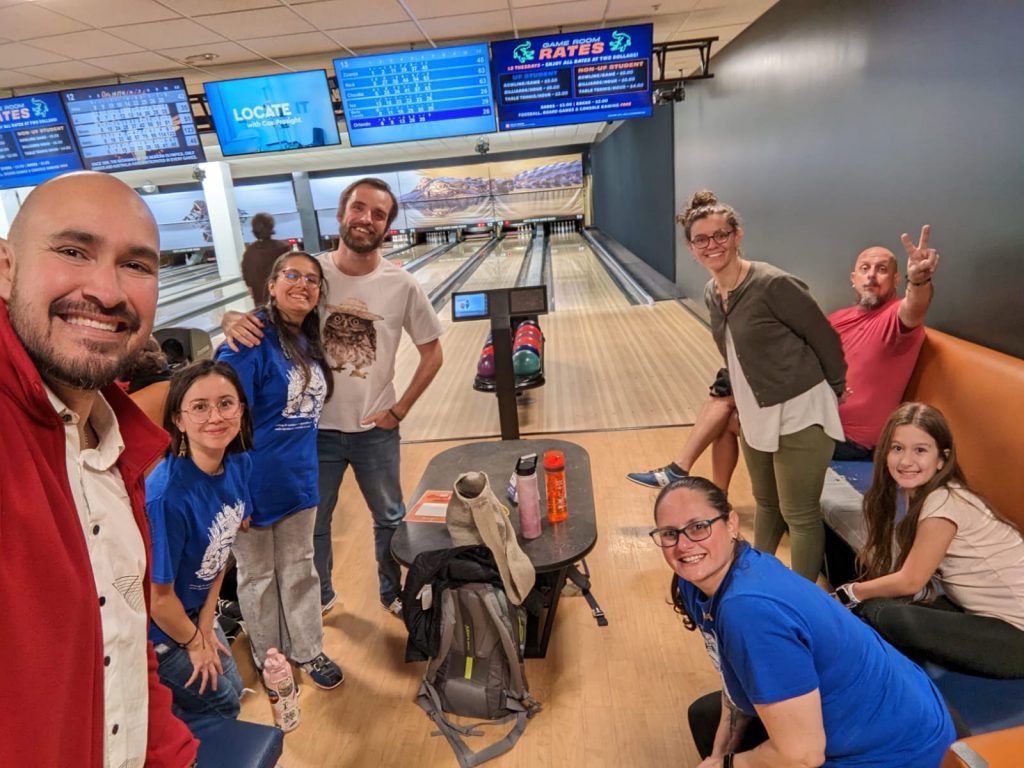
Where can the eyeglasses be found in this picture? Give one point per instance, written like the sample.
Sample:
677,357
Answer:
698,530
201,411
720,237
291,276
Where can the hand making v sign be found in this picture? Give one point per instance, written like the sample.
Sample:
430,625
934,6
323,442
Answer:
921,260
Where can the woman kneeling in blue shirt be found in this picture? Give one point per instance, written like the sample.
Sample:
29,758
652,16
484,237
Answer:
805,683
196,499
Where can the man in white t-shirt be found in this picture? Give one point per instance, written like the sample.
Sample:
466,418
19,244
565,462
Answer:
369,302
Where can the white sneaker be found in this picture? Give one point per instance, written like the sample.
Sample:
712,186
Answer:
395,607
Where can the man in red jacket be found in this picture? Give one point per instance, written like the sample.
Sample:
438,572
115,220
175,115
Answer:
78,290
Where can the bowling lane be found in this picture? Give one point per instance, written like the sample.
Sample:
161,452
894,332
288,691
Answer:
404,257
581,281
431,275
500,269
168,292
209,320
236,289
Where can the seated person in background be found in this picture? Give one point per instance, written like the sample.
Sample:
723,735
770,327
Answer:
881,337
146,379
797,670
950,533
196,500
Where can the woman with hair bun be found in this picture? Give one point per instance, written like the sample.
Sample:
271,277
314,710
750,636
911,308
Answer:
803,682
787,371
948,532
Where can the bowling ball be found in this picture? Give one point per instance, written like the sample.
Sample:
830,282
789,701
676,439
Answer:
525,363
485,367
528,324
531,347
528,333
488,350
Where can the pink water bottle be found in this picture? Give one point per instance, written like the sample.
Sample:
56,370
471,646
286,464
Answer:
277,676
528,496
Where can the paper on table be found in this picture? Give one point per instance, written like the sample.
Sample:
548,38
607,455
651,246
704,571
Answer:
432,507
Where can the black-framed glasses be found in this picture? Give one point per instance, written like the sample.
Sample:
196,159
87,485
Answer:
721,237
291,276
201,411
698,530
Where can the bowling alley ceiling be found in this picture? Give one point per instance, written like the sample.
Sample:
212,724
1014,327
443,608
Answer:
53,44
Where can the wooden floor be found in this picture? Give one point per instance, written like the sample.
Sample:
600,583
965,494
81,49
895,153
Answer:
625,382
612,696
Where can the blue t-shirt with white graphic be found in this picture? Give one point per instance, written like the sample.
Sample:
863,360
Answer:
774,636
193,519
285,414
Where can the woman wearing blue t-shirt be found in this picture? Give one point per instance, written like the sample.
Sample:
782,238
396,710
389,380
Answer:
196,498
804,682
287,381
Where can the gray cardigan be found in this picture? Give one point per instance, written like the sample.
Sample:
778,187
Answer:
783,340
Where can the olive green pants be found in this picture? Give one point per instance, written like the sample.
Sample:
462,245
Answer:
787,491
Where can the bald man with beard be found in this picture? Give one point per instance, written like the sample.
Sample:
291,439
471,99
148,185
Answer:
78,292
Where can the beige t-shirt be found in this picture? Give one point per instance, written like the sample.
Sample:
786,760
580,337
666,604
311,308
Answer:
983,569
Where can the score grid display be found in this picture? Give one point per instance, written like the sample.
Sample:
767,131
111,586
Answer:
416,95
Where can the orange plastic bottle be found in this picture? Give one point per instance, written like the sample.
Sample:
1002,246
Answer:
554,483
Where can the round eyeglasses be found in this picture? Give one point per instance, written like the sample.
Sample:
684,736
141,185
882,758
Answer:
698,530
201,411
721,237
292,277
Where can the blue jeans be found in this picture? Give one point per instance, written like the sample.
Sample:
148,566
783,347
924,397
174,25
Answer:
174,667
375,457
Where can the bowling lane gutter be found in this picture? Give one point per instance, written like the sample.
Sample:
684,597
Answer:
429,256
630,287
188,293
439,296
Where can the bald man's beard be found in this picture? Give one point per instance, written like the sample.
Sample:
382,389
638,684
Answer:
95,368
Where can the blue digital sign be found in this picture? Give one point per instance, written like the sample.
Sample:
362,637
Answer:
273,113
573,77
130,126
35,140
416,95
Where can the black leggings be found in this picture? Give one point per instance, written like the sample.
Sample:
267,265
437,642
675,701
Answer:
704,715
942,632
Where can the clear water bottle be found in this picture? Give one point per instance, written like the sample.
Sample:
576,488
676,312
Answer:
284,700
554,483
528,495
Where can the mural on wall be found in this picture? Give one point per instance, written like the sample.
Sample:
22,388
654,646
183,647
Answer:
467,194
276,198
182,220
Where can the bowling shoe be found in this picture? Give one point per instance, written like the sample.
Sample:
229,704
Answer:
658,478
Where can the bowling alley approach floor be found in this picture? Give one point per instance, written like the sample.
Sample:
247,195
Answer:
606,368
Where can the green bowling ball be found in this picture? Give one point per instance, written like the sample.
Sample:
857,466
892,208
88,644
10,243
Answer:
526,362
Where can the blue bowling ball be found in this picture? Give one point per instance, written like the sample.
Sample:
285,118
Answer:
525,362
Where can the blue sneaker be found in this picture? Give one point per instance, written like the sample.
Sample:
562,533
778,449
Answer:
657,478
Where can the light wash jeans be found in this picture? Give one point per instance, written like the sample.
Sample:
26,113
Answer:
174,667
278,590
375,457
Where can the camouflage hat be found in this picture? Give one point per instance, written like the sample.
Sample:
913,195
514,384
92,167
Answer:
350,306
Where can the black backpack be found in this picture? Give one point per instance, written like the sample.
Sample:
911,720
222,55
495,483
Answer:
477,668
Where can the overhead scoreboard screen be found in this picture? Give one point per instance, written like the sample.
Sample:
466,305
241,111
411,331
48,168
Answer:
35,140
575,77
131,126
414,95
292,110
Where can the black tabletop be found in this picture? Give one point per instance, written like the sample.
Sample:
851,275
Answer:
559,544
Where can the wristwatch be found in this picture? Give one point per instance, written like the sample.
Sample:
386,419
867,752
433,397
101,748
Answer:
844,594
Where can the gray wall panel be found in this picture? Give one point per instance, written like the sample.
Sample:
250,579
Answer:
633,188
835,125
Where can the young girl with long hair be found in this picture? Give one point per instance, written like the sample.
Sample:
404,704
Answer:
287,381
196,499
949,532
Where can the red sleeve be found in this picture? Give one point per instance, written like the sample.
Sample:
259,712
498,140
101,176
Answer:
170,743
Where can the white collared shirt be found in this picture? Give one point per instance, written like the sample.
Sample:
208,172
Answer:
118,556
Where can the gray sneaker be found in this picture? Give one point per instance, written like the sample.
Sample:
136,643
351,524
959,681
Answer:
395,607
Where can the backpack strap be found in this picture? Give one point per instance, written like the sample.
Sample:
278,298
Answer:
582,580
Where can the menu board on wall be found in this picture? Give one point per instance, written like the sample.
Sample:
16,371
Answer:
415,95
35,140
575,77
131,126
